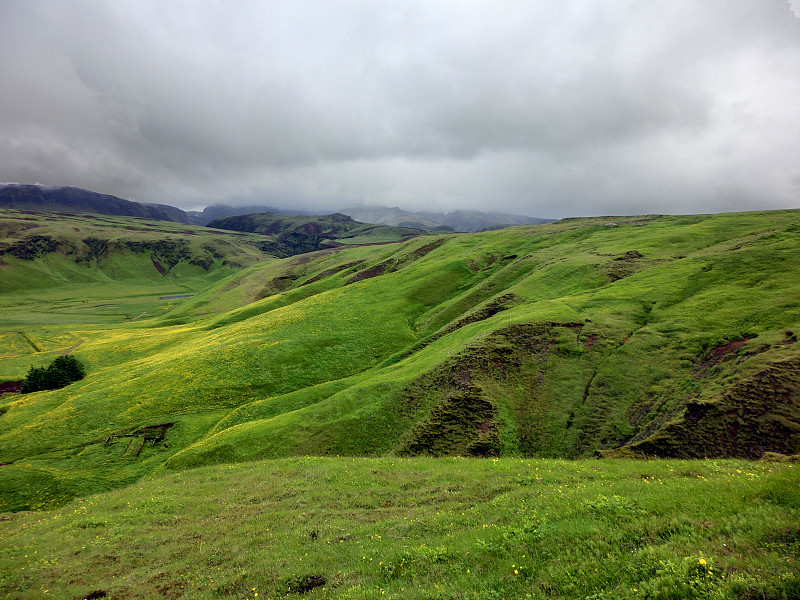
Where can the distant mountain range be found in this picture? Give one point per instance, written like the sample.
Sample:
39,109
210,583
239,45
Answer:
76,200
457,220
44,198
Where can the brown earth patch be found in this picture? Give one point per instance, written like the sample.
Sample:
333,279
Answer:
386,266
717,356
590,341
159,267
10,387
331,271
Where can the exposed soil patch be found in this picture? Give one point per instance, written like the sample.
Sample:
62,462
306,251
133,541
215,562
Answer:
423,250
396,263
497,305
331,271
277,285
158,265
386,266
301,584
10,387
718,355
630,255
590,341
625,265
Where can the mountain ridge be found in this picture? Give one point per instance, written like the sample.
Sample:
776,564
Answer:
70,199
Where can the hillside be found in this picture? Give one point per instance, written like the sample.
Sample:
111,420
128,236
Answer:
464,221
670,336
55,199
298,234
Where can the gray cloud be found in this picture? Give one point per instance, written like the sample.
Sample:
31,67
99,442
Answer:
549,108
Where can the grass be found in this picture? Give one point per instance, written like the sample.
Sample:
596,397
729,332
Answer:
658,336
562,340
421,528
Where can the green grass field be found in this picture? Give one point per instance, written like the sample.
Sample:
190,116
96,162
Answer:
419,528
394,420
655,336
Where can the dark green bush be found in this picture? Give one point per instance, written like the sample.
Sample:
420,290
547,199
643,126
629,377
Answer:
58,374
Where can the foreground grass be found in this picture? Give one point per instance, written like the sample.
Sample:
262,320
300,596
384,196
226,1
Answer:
421,528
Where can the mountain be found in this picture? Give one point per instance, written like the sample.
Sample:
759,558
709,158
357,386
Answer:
76,200
219,211
648,336
468,221
457,220
297,234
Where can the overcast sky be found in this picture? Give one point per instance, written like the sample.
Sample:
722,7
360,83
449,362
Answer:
549,108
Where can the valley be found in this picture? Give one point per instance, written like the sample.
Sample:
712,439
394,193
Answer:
654,337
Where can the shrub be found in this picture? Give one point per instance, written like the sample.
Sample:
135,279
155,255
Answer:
58,374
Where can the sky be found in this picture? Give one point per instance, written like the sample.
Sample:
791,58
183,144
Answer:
549,108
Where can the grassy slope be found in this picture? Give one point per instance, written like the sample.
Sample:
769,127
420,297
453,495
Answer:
354,528
294,234
557,340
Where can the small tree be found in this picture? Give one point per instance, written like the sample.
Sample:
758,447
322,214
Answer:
58,374
34,380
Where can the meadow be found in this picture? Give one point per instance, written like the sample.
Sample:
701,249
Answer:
645,336
420,528
395,420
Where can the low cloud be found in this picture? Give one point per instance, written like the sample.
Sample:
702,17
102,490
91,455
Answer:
549,108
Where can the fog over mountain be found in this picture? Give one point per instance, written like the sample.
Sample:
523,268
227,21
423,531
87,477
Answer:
547,109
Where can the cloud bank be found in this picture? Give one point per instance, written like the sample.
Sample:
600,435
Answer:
548,108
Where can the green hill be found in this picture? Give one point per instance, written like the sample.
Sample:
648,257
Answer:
637,336
298,234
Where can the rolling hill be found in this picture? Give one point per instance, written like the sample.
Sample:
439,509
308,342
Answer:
668,336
